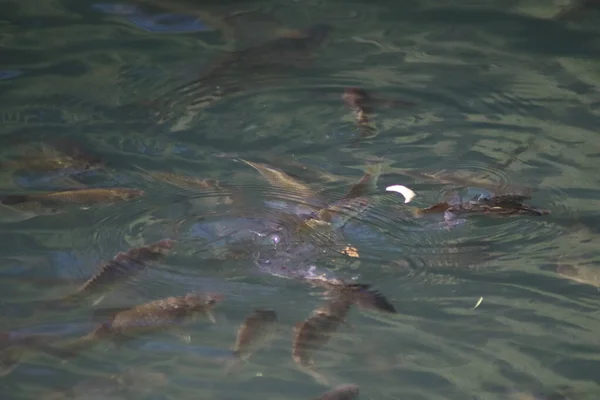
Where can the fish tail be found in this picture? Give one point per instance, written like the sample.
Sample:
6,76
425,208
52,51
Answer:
374,170
233,365
10,200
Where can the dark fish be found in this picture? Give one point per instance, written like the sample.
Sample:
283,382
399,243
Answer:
123,266
15,348
316,331
357,293
256,330
76,196
361,103
503,205
576,7
158,315
342,392
230,75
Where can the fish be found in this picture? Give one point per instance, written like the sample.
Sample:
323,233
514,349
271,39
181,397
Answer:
353,203
282,180
75,196
63,157
230,75
16,348
585,274
316,331
576,7
361,103
256,330
501,205
122,266
158,315
342,392
24,211
360,294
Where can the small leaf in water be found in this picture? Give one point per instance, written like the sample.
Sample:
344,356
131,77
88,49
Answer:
478,303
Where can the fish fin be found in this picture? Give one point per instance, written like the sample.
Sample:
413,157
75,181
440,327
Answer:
310,370
210,316
98,300
373,300
368,182
234,364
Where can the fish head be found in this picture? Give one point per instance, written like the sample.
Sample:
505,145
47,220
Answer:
203,301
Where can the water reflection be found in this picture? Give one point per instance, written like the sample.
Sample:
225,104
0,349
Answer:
246,133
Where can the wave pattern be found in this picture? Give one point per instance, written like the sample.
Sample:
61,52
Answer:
166,96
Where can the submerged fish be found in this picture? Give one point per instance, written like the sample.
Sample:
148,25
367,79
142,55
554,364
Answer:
76,196
501,205
157,315
230,75
316,331
282,180
576,7
357,293
361,103
586,274
124,265
354,202
256,330
342,392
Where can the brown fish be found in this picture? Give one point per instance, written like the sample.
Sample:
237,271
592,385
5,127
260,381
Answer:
122,266
342,392
256,330
158,315
282,180
501,205
358,293
316,331
361,103
76,196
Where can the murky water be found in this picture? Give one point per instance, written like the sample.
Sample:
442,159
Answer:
170,97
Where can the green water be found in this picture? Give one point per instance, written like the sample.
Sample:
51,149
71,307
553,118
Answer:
501,92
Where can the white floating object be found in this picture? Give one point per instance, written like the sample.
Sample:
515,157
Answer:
478,303
403,190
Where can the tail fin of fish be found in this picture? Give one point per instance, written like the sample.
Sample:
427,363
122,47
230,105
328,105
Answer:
368,298
368,183
12,199
234,364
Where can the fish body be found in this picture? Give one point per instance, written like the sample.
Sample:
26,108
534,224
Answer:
341,392
230,75
122,266
585,274
502,205
280,179
155,316
316,330
254,333
76,196
257,329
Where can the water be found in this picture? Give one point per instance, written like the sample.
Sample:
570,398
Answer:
505,99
